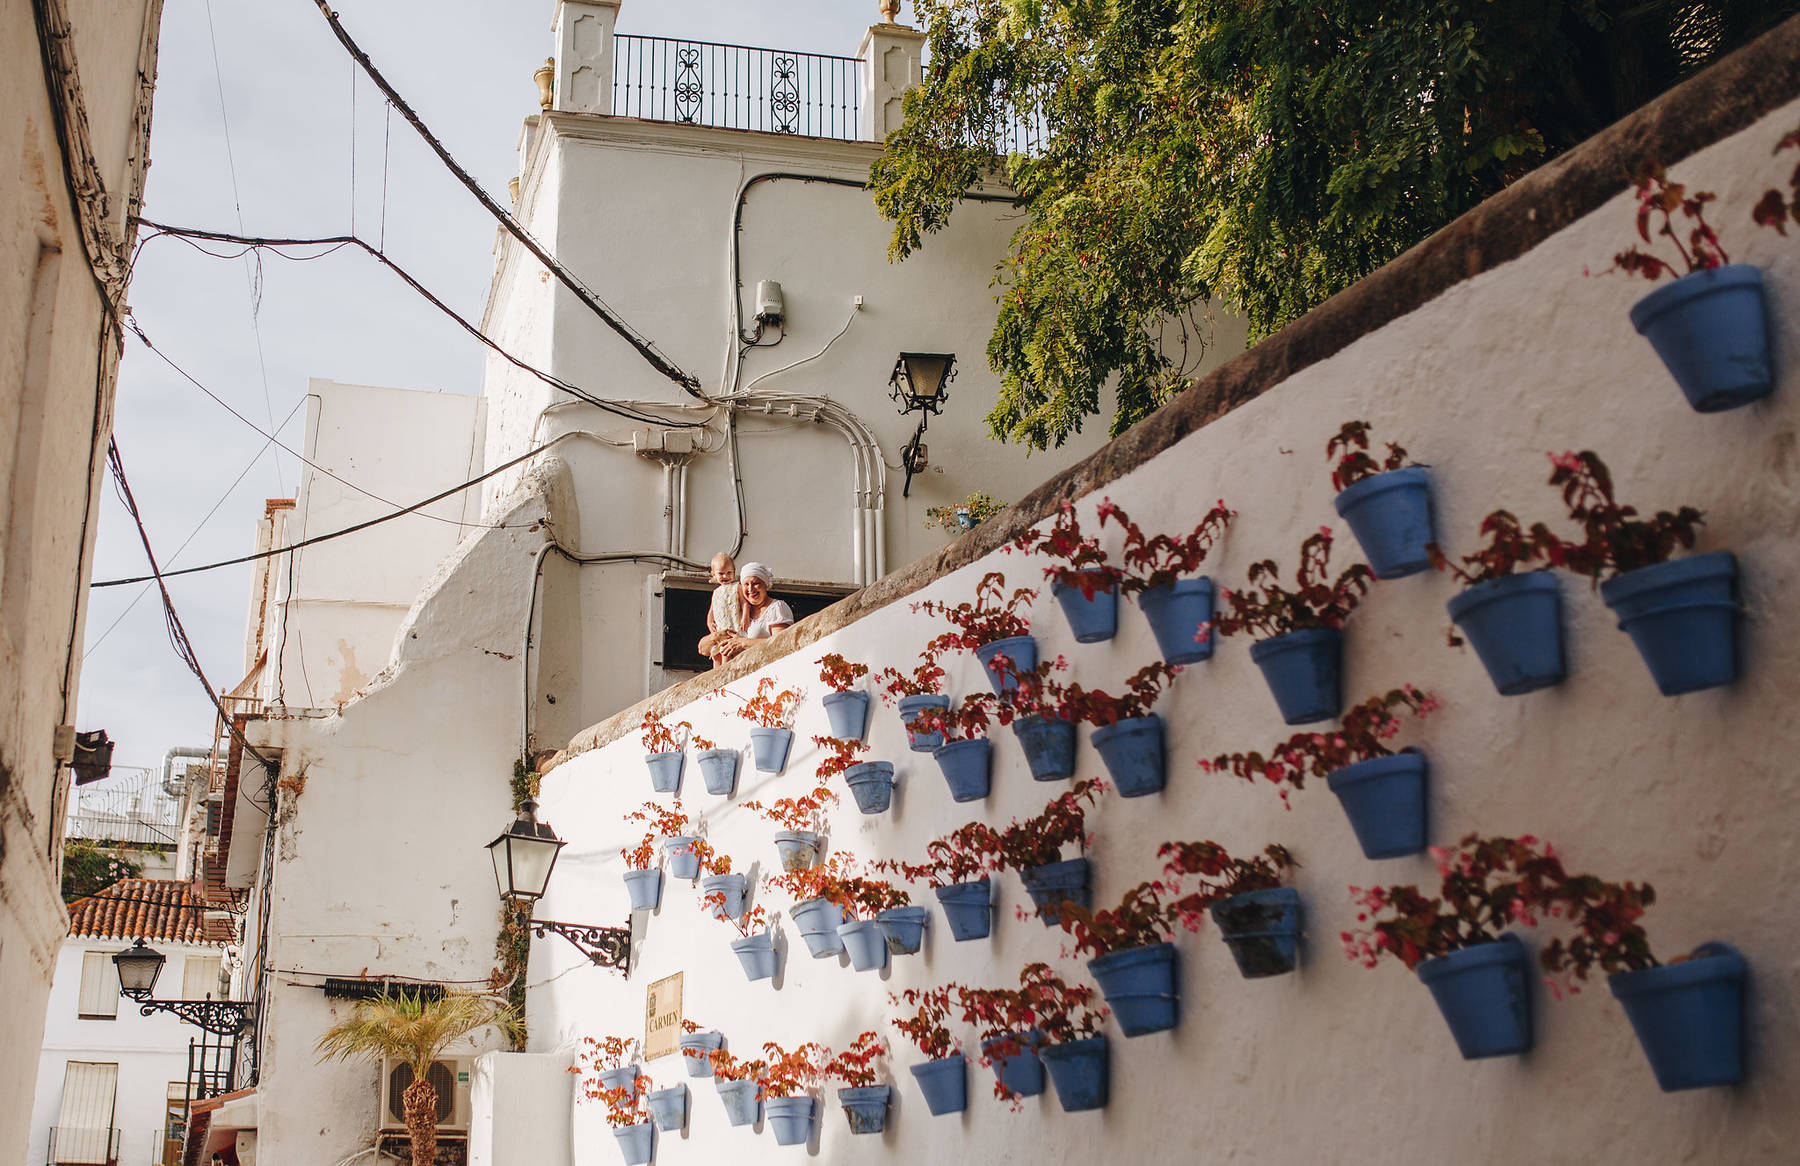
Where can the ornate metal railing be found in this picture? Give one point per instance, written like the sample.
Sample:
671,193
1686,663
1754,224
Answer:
736,87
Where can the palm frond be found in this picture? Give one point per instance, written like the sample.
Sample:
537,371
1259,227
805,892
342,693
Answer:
406,1027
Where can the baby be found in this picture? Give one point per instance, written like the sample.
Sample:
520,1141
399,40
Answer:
722,613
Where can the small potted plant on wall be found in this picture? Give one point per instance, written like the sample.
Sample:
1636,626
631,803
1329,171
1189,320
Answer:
628,1113
943,1077
604,1063
1382,791
862,899
722,889
697,1045
846,707
740,1085
814,915
1085,584
1681,613
1387,504
1034,847
1159,575
792,1111
992,626
664,752
865,1103
1127,735
913,692
952,864
755,945
1071,1043
668,1107
871,782
1299,634
966,757
772,715
1005,1027
1513,616
1038,712
643,882
802,821
1258,917
1709,325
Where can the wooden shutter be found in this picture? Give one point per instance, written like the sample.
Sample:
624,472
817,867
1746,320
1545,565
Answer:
99,987
84,1133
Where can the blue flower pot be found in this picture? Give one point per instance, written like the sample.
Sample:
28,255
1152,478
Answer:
1055,883
866,1108
1390,515
848,714
1020,1072
967,767
1021,650
790,1119
1078,1070
968,909
1140,987
910,706
1049,746
1262,929
798,849
758,956
1514,624
1091,620
1302,670
731,887
872,785
1689,1017
864,944
636,1143
665,770
644,888
684,864
668,1107
1132,750
718,769
1384,798
1711,330
695,1047
1176,612
618,1078
817,921
1484,992
742,1101
769,748
1683,616
904,928
943,1083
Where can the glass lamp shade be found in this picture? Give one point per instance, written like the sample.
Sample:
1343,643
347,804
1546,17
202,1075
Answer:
524,856
920,379
138,966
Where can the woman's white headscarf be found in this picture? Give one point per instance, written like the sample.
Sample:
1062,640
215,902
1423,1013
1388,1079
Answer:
756,571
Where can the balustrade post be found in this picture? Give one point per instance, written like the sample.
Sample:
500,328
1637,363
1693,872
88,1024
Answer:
891,64
584,55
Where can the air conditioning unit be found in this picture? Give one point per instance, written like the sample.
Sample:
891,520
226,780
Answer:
450,1075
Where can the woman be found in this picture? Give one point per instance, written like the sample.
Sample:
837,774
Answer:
760,615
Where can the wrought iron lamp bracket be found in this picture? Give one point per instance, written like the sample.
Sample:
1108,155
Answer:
605,947
219,1017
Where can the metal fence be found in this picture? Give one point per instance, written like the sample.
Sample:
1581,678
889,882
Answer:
84,1146
736,87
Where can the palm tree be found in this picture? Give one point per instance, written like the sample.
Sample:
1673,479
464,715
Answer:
408,1028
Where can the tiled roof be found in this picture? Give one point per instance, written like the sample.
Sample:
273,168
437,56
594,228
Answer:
146,909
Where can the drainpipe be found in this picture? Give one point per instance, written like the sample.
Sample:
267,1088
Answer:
168,778
669,507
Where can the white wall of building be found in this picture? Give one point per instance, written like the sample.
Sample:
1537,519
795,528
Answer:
55,414
1335,1062
150,1051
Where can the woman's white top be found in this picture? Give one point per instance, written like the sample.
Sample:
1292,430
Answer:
775,614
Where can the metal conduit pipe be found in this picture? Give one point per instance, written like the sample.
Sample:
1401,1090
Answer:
194,752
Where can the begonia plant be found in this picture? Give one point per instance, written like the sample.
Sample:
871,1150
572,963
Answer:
1267,608
664,822
839,674
990,616
1362,735
1350,446
791,1073
1195,876
767,707
1614,539
855,1066
926,1027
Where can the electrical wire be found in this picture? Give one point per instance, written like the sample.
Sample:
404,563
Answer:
352,529
178,637
642,344
336,242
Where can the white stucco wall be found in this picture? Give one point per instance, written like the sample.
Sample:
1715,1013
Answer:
1335,1063
150,1051
55,414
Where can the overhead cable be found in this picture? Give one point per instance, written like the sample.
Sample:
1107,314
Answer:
644,346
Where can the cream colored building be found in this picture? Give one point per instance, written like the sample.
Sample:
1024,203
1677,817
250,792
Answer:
75,91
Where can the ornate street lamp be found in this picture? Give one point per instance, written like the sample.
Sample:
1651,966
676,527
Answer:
919,384
523,858
140,964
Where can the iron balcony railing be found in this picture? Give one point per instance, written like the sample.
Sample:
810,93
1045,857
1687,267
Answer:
736,87
84,1146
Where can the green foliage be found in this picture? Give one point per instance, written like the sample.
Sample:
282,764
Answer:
1257,155
524,784
89,867
406,1027
971,512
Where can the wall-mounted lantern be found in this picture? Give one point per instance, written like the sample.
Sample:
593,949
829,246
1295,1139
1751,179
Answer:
140,964
523,858
920,383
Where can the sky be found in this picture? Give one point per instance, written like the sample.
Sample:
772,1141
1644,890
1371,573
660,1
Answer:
260,129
